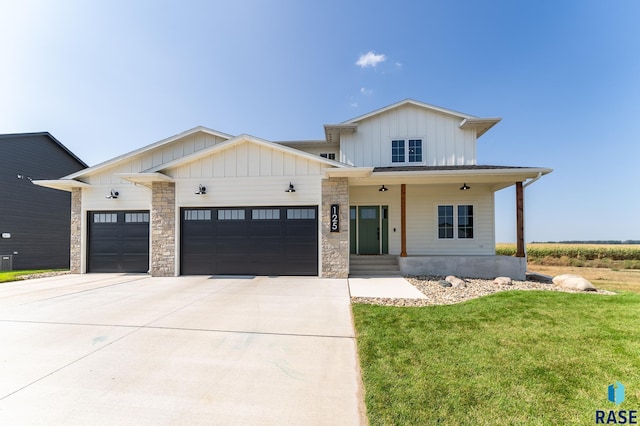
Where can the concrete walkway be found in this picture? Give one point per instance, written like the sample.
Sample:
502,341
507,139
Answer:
134,350
384,287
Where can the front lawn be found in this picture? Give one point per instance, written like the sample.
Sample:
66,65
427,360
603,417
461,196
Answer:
6,276
517,357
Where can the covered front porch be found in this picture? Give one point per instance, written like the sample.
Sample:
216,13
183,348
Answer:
436,221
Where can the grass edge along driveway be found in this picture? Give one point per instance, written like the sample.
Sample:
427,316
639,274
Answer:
517,357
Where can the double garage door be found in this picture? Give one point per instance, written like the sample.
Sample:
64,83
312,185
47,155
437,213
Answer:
250,241
214,241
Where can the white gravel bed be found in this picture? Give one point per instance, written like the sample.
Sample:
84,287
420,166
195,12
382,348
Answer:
438,295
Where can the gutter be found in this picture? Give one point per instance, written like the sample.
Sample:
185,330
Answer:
532,180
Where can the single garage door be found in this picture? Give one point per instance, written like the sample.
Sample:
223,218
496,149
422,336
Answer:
118,241
250,241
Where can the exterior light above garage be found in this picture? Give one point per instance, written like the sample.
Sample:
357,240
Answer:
114,194
383,189
464,187
202,190
291,188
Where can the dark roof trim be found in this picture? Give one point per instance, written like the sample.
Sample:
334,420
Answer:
50,136
443,168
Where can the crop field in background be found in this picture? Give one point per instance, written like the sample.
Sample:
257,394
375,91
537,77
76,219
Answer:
614,256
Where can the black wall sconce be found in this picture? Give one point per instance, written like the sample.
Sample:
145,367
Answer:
464,187
114,194
291,188
202,190
383,189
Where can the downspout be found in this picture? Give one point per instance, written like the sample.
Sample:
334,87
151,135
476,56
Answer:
532,180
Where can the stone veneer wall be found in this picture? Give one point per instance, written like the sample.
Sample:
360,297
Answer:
163,229
335,245
75,253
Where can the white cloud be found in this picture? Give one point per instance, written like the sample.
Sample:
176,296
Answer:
366,91
370,59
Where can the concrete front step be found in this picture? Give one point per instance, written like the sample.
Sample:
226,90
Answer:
374,265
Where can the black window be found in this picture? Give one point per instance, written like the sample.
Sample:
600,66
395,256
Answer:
197,215
397,151
301,213
465,221
265,214
445,221
231,214
460,226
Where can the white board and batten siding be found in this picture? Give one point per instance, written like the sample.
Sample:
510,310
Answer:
443,142
422,220
248,175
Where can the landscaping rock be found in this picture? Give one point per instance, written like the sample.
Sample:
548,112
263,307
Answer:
503,281
573,282
456,282
444,283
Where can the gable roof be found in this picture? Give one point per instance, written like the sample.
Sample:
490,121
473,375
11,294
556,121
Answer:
239,140
482,125
50,136
111,162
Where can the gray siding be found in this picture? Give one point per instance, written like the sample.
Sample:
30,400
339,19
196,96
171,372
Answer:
37,218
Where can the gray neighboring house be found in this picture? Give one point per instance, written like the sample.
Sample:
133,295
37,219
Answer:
34,221
398,184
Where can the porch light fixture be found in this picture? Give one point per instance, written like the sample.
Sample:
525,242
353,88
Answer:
291,188
201,190
114,194
464,187
383,189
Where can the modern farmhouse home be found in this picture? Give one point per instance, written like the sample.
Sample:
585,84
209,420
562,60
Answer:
400,181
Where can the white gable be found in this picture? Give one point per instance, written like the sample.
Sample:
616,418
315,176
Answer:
443,141
246,159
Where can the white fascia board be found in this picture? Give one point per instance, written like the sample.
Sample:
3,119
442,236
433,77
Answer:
360,172
61,184
144,178
494,176
242,139
150,147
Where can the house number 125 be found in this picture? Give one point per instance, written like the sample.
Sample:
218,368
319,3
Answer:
335,218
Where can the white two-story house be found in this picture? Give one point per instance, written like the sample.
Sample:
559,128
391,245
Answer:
400,181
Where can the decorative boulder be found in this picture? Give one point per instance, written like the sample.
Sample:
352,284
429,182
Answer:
503,281
573,282
444,283
456,282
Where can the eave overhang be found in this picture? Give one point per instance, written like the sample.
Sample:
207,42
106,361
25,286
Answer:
61,184
332,132
145,179
350,172
481,125
495,177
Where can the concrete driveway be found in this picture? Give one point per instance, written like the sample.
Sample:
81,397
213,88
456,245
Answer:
106,349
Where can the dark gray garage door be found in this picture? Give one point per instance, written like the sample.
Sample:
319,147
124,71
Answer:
250,241
118,241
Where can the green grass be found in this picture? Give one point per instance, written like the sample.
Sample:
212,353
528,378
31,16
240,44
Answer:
6,276
516,357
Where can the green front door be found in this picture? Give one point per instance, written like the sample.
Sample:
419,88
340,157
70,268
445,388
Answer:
369,229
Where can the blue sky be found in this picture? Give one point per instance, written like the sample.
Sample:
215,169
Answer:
107,77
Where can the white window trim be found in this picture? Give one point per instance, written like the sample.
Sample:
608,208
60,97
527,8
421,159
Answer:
406,161
455,221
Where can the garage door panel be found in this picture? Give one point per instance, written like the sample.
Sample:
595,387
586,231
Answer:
118,241
251,241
